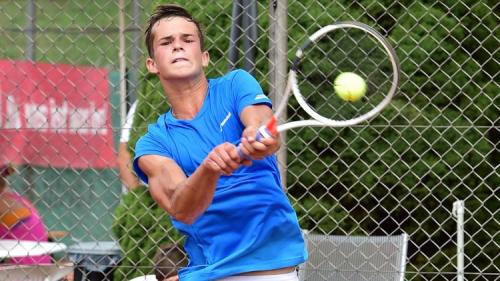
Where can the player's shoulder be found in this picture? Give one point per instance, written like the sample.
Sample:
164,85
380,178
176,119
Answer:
155,135
233,75
159,126
240,73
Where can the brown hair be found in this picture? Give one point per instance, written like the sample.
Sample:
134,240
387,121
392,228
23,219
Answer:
5,171
168,259
168,11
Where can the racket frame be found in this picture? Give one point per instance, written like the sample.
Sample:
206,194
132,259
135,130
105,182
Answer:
319,120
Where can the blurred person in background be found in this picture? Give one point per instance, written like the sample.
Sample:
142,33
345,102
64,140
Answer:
127,176
168,259
19,219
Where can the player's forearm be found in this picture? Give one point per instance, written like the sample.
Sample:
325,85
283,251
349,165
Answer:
194,195
255,115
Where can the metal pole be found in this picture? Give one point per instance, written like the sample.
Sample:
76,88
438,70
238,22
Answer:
458,212
31,56
278,68
235,34
250,39
243,27
135,52
31,31
122,61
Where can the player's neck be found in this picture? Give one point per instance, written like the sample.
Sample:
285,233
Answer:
186,102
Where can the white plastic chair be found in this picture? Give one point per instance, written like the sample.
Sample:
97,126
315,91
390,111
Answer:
145,278
41,272
354,258
45,272
10,248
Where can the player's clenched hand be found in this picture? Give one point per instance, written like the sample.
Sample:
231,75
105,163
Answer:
224,159
261,148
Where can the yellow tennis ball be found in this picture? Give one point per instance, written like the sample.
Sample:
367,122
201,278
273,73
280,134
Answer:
349,86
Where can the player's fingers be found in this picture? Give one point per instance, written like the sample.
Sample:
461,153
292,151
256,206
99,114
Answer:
246,147
229,155
265,147
233,153
215,162
270,141
258,146
250,133
255,150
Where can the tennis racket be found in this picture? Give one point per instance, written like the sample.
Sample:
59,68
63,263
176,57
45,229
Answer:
334,49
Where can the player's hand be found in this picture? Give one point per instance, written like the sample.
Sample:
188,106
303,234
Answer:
224,159
258,149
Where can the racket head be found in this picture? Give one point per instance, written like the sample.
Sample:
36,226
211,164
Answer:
335,49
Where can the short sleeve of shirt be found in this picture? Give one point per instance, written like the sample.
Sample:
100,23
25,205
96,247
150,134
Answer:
149,144
248,91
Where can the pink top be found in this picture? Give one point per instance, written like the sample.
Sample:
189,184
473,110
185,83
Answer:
31,228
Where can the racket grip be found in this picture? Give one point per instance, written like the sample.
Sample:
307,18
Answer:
242,155
271,128
261,133
267,131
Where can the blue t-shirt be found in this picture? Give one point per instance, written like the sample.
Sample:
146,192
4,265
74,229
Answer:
250,224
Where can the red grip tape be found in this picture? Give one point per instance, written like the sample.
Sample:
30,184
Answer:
272,127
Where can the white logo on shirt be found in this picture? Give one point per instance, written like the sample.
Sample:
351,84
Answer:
225,120
260,96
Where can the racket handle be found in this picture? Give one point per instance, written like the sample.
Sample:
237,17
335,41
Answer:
266,131
271,127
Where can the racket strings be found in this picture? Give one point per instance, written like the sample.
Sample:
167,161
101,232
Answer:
344,50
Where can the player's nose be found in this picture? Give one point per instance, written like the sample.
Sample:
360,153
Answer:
177,44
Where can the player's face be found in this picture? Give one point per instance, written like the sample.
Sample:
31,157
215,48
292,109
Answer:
177,50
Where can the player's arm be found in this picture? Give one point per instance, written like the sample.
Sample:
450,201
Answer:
252,117
127,177
186,198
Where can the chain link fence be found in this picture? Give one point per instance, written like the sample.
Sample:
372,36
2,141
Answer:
71,69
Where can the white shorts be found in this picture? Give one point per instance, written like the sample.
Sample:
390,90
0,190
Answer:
291,276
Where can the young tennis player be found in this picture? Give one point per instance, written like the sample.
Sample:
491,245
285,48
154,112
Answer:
239,224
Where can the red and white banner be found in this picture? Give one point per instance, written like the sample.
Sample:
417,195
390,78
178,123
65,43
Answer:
55,115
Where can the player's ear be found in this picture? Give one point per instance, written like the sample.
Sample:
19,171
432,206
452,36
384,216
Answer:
205,59
151,66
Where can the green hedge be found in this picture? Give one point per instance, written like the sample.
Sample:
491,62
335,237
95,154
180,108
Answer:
140,227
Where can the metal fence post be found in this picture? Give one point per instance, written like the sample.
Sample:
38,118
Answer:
278,67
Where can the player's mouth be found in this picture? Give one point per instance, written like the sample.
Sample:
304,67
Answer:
176,60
